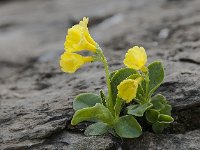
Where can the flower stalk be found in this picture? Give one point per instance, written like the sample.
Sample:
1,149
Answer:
102,58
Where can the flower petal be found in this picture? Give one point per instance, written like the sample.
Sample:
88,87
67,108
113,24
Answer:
70,62
135,58
127,89
79,38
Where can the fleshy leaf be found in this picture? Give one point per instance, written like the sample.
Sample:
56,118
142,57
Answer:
85,100
97,112
152,115
128,127
138,110
165,119
166,110
98,128
158,102
158,127
156,76
118,77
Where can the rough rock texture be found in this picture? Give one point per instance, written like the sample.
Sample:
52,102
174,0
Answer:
36,97
75,141
149,141
182,91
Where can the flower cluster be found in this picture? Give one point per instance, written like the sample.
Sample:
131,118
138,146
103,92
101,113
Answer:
78,39
134,84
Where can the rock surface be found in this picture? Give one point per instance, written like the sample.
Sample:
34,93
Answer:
36,97
151,141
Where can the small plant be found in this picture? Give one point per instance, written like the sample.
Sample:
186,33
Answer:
133,85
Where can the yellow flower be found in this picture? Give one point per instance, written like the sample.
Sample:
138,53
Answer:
127,89
136,58
70,62
79,38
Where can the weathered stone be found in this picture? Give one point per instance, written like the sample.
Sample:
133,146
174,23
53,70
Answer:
182,89
36,98
150,141
29,120
74,141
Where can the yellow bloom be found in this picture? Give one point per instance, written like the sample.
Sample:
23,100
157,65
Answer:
79,38
136,58
127,89
70,62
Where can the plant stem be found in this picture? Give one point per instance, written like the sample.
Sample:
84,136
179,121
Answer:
147,87
103,59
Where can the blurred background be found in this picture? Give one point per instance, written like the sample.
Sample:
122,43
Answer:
35,29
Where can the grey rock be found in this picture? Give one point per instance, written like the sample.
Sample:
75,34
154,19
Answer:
187,52
182,91
163,34
36,98
74,141
150,141
29,120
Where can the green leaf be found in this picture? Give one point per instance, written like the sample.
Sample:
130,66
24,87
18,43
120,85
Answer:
134,76
152,115
103,98
156,76
166,110
160,98
138,110
128,127
85,100
140,93
158,102
98,128
98,112
118,106
165,119
112,131
143,85
158,127
112,74
118,77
